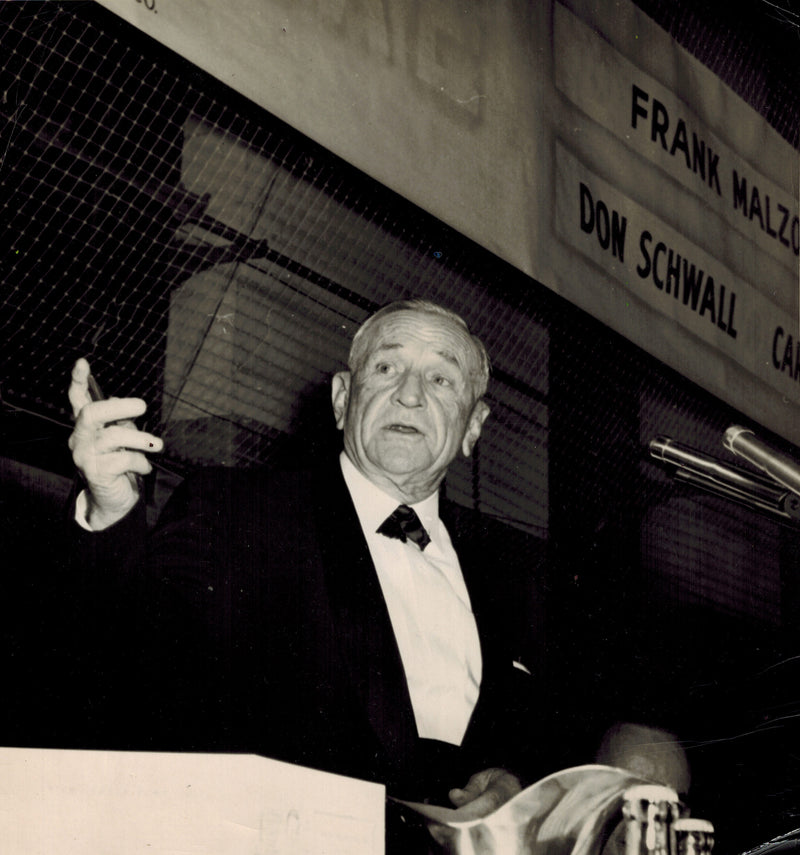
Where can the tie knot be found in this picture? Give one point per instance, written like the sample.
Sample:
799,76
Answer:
404,524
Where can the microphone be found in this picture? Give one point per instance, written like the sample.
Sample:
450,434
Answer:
731,482
778,466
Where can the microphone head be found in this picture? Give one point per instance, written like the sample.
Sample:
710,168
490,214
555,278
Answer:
658,446
732,434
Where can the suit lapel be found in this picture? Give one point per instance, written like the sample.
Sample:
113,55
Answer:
471,548
361,619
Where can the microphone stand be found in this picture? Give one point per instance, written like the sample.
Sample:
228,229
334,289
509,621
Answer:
768,495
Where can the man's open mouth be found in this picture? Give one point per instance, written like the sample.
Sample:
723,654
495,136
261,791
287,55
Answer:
408,429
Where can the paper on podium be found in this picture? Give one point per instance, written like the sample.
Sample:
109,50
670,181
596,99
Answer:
572,812
63,802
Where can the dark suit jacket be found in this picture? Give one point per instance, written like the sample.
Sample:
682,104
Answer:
259,626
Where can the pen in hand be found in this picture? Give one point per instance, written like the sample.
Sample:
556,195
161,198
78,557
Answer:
95,392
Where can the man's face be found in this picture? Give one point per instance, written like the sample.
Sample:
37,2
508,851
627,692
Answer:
410,405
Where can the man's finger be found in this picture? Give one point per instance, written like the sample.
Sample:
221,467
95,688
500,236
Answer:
127,436
474,787
483,805
485,792
78,392
122,462
463,795
101,413
105,469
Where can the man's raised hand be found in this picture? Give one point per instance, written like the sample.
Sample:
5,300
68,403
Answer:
108,449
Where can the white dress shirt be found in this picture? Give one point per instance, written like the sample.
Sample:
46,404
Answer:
429,608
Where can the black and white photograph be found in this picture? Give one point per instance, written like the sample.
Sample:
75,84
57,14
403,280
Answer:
400,421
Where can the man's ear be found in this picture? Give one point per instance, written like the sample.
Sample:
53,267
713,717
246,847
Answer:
478,416
340,390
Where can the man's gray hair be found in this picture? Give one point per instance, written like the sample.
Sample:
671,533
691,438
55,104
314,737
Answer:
480,376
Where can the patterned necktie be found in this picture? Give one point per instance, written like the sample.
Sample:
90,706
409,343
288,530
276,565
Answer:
404,524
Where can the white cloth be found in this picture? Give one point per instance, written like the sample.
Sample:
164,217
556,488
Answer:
429,608
82,511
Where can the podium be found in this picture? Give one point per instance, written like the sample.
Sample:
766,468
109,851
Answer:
65,802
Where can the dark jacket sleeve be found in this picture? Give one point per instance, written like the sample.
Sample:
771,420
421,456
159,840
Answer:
123,651
508,576
69,636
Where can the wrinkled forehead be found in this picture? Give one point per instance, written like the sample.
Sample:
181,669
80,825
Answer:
423,334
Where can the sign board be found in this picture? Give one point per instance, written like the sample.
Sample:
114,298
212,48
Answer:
576,140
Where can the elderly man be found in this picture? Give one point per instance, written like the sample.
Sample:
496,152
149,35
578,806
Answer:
342,617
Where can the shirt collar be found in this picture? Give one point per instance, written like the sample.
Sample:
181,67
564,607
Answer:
373,505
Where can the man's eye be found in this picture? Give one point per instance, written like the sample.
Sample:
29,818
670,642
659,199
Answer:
383,368
441,380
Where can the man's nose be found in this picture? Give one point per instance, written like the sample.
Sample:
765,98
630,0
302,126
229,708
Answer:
409,390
